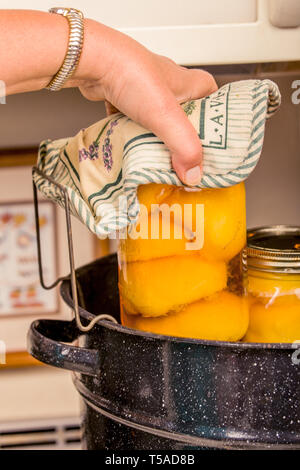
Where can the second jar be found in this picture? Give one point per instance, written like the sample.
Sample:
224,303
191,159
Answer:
274,284
181,270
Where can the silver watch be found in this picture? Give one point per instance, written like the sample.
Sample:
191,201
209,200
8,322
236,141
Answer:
71,60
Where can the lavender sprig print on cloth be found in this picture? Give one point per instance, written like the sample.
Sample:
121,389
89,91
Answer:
93,152
83,154
189,107
107,147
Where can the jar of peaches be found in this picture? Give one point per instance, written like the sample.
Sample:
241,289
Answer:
274,284
181,269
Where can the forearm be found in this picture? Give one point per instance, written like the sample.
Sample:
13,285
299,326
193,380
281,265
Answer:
33,47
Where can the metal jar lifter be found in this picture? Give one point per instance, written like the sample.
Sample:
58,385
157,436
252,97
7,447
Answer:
147,391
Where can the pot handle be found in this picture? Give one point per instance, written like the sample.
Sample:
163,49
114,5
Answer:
46,341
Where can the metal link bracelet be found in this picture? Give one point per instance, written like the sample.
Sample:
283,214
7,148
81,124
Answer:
72,57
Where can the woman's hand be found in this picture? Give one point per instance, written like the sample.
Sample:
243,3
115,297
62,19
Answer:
148,88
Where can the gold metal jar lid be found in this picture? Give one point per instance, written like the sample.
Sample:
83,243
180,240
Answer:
274,249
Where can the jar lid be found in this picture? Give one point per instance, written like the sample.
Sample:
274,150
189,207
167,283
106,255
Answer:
274,249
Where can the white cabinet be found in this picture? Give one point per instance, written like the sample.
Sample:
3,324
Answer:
154,13
198,32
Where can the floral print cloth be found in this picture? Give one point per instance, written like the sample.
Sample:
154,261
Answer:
102,166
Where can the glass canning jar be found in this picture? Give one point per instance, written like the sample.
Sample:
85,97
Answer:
274,284
181,271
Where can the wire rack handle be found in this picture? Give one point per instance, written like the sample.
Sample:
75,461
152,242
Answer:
72,275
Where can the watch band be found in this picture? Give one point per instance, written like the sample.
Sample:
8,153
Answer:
71,60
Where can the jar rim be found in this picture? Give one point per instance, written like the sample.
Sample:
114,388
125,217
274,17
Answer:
274,248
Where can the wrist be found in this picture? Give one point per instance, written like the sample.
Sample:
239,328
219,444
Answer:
93,61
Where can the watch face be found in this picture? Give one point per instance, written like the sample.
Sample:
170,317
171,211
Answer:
65,11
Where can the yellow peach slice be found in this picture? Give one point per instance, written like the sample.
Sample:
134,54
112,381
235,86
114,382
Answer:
274,287
146,247
224,218
274,324
223,229
152,193
221,317
159,286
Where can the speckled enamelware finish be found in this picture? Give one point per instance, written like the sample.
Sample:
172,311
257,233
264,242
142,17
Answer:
145,391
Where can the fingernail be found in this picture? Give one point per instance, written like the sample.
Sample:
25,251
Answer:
193,176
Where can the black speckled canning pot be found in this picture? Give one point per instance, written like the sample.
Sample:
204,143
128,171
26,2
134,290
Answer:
145,391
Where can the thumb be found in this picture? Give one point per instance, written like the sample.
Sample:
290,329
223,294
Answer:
177,132
187,156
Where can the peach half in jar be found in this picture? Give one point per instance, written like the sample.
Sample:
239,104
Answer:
224,218
222,226
274,300
160,286
220,317
274,323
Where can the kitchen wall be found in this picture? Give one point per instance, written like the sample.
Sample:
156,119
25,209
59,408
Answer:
28,118
273,189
